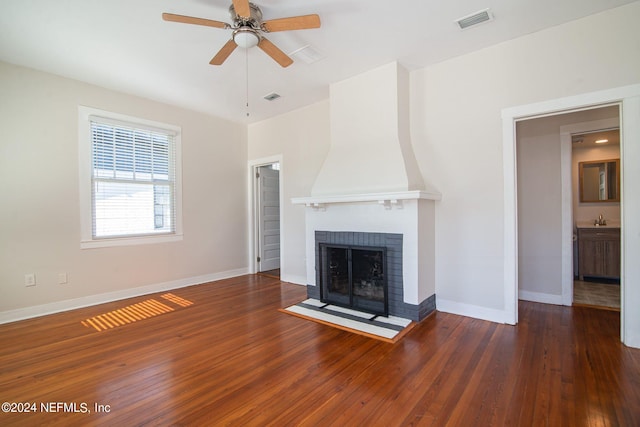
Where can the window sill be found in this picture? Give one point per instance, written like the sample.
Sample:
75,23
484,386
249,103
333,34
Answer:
129,241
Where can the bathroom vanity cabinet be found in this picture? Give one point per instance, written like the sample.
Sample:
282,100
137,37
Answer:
599,252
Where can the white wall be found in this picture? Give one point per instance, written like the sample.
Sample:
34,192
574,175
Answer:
40,215
302,138
457,134
539,208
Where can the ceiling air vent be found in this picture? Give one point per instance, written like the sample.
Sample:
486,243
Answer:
307,54
474,19
272,96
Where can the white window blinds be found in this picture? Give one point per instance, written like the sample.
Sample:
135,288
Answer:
133,179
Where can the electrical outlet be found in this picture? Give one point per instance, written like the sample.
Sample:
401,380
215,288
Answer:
30,279
62,278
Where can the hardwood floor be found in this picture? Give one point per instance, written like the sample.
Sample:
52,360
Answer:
274,274
231,358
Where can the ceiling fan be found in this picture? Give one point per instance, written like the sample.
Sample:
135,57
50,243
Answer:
249,28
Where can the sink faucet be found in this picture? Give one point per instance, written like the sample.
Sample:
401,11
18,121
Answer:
600,221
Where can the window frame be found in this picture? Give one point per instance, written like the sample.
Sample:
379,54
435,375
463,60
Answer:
85,168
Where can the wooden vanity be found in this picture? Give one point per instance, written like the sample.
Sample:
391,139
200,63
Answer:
599,252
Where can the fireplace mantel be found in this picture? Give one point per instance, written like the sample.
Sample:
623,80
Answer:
386,199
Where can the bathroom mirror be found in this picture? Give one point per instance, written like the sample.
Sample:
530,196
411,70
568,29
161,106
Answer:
599,181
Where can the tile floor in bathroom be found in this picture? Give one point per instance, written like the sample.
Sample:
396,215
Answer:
606,295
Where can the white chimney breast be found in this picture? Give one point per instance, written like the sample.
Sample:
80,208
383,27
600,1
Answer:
370,181
370,148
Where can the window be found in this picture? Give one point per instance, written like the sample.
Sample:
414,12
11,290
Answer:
129,179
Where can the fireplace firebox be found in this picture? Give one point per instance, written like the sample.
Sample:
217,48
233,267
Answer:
354,277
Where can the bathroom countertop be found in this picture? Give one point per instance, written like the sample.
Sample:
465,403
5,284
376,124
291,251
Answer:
586,224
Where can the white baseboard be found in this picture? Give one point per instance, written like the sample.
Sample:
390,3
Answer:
475,311
540,297
632,340
71,304
292,278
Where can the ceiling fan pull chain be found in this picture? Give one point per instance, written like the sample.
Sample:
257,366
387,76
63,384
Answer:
247,73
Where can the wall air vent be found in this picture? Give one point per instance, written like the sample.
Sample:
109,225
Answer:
474,19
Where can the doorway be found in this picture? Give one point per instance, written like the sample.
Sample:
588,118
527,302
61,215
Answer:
629,99
268,216
266,201
551,215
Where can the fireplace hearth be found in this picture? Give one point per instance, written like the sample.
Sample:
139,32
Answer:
354,277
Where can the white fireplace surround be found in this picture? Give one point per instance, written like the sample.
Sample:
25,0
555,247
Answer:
410,213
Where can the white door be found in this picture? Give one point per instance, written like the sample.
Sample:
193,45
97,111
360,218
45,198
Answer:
269,218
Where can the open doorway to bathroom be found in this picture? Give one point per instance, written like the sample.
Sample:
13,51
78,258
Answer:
628,100
557,235
596,215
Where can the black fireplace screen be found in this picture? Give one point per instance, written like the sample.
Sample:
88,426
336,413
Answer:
354,277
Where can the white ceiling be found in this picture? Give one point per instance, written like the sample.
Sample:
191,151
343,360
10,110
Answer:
588,140
125,45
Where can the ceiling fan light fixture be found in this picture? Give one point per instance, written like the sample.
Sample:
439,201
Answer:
246,37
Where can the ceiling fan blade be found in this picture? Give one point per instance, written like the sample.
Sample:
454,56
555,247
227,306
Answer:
294,23
272,50
242,8
192,20
224,53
